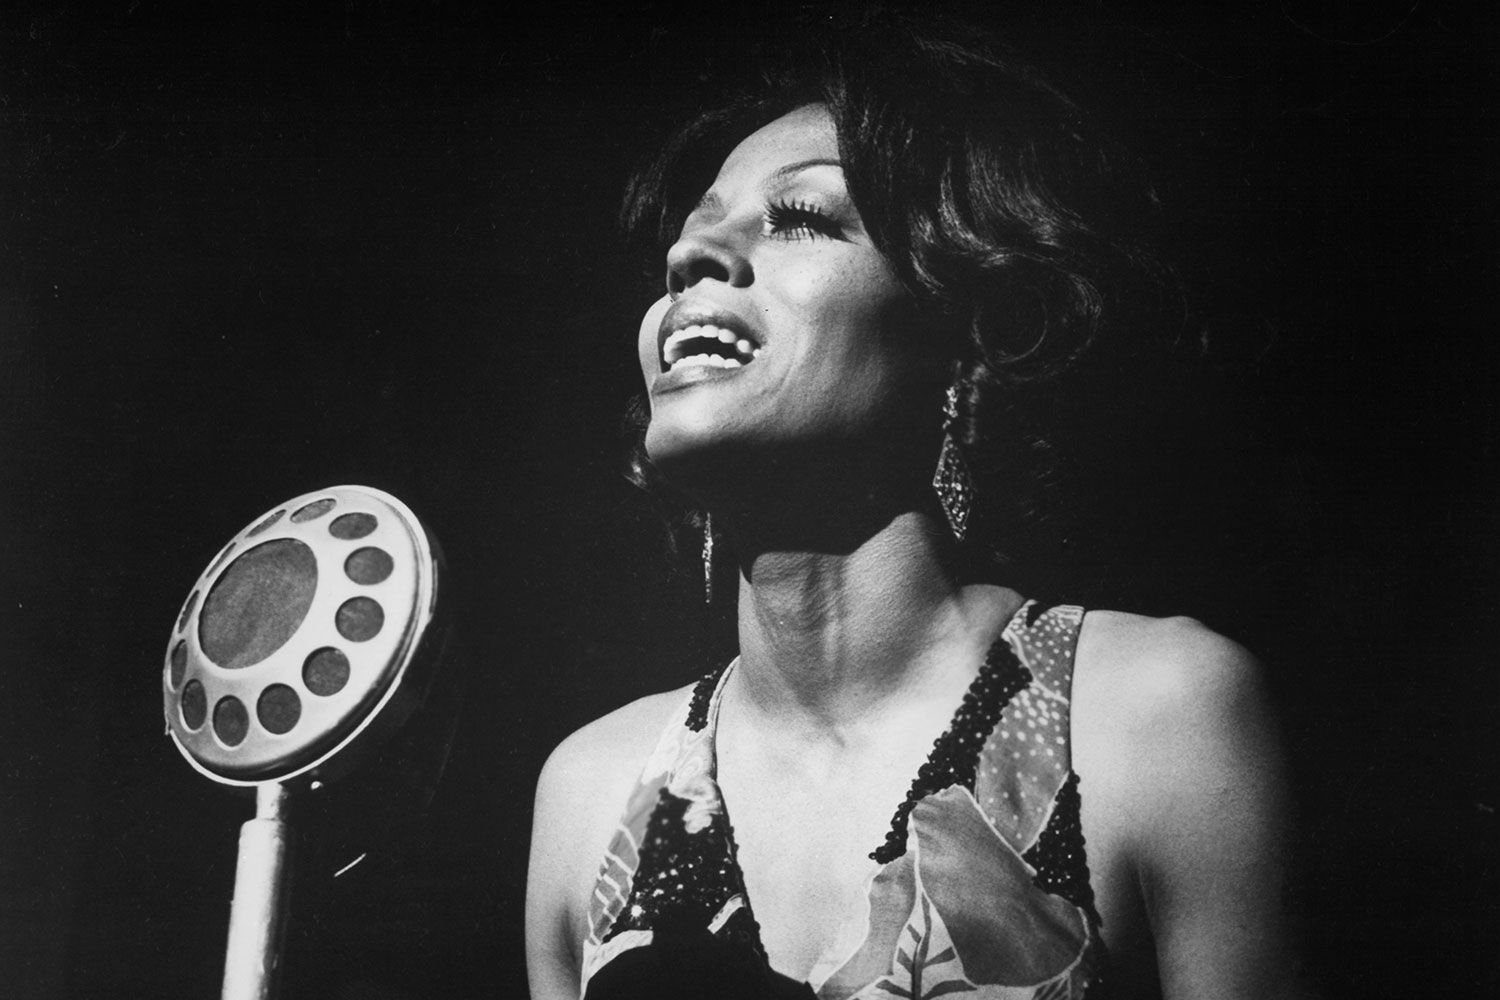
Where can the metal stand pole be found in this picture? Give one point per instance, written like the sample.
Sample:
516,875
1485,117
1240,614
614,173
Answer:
260,894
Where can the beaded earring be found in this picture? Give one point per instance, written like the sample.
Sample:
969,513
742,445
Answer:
708,558
951,481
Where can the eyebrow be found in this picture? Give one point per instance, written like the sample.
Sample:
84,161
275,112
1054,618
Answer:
710,202
801,165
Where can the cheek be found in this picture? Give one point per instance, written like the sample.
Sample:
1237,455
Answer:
822,280
857,322
855,292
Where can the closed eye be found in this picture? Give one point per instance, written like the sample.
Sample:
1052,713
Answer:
797,220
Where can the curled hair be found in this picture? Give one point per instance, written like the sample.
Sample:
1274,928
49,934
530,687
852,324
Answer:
1012,221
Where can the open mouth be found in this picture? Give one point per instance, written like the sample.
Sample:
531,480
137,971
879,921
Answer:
709,345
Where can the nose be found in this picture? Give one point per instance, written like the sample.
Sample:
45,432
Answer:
705,254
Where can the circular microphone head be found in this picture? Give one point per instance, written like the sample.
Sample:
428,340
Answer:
293,645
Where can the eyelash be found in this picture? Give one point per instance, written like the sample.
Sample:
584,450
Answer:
799,220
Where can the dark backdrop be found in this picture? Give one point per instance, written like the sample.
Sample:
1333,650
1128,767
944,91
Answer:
247,252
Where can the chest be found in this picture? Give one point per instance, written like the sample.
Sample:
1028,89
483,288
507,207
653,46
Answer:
803,837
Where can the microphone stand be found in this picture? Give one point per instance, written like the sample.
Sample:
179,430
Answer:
257,915
384,681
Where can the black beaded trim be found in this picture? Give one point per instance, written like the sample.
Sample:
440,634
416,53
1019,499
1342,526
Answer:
955,754
682,878
703,693
1061,864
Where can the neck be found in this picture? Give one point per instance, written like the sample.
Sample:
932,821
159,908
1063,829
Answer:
830,641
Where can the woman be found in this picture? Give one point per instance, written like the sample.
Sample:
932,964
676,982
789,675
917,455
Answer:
905,259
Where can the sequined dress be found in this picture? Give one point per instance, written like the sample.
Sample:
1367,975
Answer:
981,887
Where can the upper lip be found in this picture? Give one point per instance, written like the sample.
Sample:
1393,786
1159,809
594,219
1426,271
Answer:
684,314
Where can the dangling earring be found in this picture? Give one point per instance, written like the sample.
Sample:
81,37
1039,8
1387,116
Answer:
951,482
708,558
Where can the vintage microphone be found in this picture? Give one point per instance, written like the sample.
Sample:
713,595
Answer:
305,644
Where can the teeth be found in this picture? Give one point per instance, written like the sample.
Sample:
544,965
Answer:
709,360
678,343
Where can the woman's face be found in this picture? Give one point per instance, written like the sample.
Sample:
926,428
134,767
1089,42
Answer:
788,327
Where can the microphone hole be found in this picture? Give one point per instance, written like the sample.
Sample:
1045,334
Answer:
351,526
262,526
278,708
187,609
194,705
179,663
325,671
313,511
231,721
368,566
359,619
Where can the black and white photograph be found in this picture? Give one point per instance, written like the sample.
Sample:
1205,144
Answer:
821,500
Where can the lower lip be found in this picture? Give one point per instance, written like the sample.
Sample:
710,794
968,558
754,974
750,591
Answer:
690,375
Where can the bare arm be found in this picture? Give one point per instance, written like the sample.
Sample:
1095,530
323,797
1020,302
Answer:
1196,811
1213,852
551,955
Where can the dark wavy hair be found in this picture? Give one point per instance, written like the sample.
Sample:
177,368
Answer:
1009,217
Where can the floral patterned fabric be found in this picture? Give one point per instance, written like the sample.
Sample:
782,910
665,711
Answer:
990,900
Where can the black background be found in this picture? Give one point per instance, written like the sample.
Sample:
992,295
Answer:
247,252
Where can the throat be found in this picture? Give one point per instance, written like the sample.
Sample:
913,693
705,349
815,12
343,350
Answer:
832,650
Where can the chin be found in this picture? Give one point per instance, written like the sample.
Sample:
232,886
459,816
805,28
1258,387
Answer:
699,459
676,451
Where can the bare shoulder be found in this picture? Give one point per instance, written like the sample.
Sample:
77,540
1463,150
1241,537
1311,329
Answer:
588,777
581,793
1166,711
1139,672
616,743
